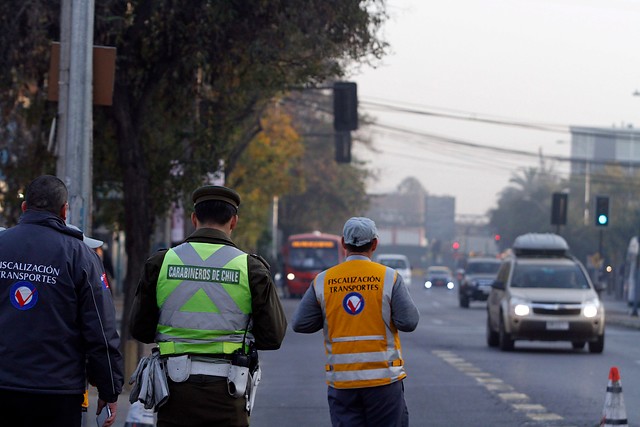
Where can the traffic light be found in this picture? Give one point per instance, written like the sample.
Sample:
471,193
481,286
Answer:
345,106
343,147
455,246
559,209
602,211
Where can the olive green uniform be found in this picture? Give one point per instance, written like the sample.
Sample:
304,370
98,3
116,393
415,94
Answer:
204,400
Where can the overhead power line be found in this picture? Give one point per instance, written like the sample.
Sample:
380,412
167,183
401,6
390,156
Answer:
510,151
447,113
469,117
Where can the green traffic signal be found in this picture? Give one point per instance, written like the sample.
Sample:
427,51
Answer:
603,220
602,211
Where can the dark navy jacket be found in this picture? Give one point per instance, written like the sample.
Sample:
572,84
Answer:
57,319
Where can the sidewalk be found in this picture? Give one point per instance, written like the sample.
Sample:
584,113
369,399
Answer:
618,312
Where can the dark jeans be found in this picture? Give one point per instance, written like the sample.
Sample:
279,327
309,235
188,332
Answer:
19,409
202,401
382,406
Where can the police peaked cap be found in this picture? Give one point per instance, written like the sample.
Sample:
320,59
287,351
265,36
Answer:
216,192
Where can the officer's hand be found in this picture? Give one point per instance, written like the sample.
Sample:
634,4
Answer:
114,409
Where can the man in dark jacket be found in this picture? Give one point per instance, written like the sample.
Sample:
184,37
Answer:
205,302
56,316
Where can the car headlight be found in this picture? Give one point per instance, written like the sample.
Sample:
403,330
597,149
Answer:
450,285
520,307
291,276
427,284
590,308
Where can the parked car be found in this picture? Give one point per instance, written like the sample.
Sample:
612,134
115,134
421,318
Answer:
398,262
477,278
543,293
439,277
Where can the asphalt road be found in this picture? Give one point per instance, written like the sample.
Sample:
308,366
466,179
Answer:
454,379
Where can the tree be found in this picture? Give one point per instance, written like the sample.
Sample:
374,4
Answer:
25,116
525,205
330,193
267,168
192,81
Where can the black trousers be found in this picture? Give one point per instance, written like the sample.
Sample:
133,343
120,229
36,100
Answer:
202,401
382,406
18,409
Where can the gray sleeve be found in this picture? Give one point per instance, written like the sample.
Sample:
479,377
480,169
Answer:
308,315
404,313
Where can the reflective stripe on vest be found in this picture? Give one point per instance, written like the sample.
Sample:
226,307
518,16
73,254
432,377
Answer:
204,299
362,344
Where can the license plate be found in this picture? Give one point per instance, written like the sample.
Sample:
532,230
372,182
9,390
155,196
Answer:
558,326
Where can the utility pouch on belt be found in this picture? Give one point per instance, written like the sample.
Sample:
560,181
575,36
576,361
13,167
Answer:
238,374
179,368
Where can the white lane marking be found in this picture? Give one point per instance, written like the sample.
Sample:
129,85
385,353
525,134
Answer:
518,401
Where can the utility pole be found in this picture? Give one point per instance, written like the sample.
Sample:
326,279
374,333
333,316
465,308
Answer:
75,121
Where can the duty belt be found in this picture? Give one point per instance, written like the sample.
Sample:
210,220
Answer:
215,369
179,368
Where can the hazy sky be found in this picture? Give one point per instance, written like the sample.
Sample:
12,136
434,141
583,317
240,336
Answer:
556,63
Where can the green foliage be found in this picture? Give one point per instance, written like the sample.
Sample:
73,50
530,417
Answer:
525,206
25,115
266,170
332,192
192,82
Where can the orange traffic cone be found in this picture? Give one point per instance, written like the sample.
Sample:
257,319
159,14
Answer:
614,412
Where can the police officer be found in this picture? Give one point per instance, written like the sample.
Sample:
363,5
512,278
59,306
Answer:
56,316
361,305
204,303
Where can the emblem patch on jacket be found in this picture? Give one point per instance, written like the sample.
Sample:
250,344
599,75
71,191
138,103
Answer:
23,295
353,303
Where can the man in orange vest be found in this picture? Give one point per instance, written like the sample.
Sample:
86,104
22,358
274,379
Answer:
361,305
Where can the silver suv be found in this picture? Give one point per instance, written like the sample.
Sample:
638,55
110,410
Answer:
543,293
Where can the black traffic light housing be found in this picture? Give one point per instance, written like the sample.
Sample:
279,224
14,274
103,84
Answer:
345,118
559,208
343,147
602,211
345,106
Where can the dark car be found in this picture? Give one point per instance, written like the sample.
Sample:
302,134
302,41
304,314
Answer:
476,282
439,277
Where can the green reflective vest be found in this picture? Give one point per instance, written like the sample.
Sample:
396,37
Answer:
204,300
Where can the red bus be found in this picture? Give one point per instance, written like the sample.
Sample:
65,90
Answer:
306,255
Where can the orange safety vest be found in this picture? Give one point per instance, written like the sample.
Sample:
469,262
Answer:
361,342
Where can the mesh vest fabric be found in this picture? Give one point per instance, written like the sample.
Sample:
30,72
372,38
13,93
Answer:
204,300
361,342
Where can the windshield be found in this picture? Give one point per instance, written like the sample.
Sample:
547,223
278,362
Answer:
393,263
546,276
313,258
438,271
483,268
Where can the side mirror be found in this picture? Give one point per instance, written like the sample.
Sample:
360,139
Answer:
498,284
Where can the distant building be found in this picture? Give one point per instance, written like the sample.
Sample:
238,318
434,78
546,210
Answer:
415,224
598,145
399,218
440,218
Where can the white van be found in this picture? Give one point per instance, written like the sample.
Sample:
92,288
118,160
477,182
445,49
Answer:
398,262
